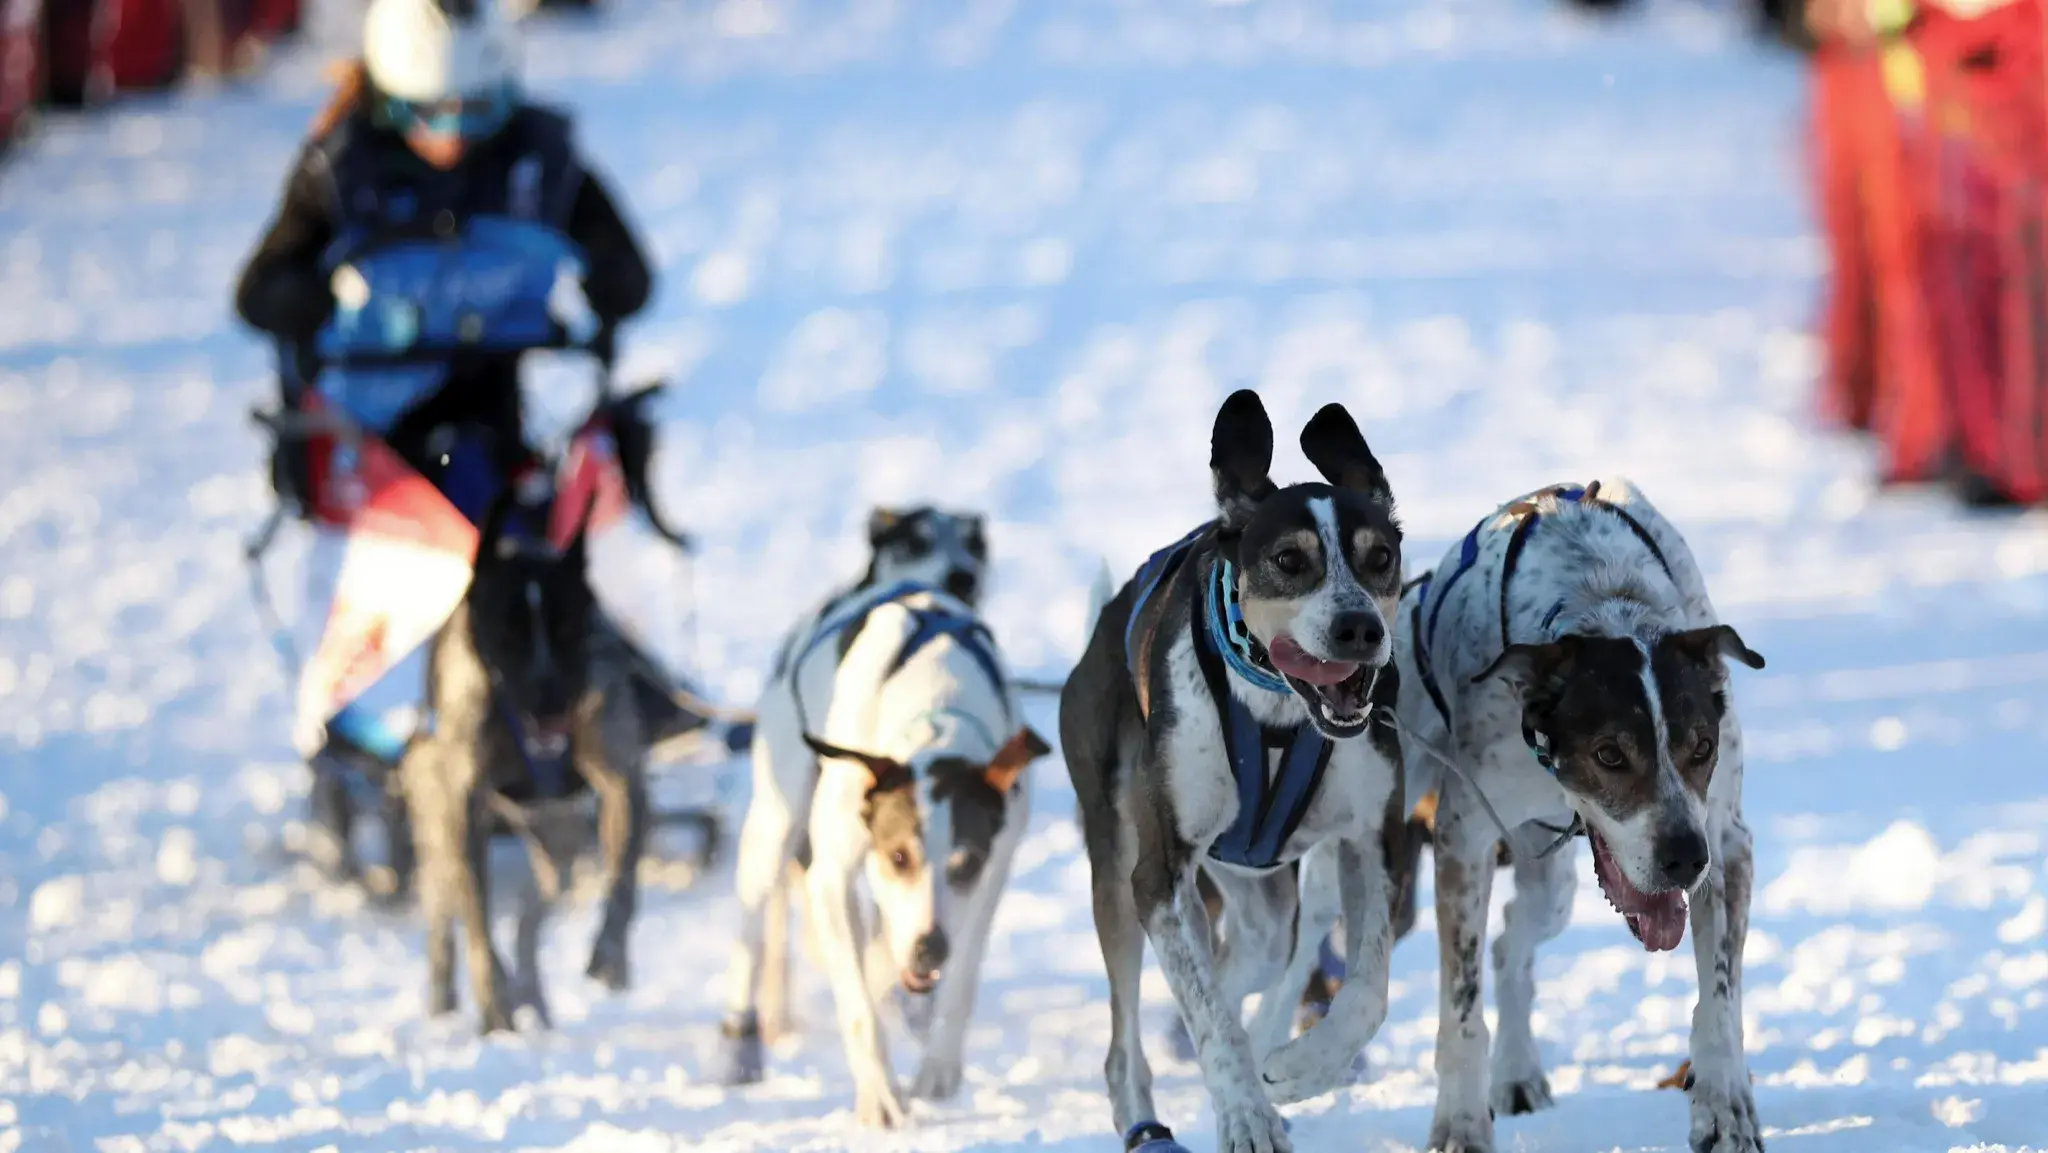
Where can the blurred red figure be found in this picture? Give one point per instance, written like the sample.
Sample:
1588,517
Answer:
1932,132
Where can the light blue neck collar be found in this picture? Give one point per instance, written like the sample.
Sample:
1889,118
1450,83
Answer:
1225,620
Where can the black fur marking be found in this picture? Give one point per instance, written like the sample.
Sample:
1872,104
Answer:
977,810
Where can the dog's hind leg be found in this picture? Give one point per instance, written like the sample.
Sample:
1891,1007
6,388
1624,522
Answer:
1724,1118
1122,938
1316,915
1464,850
1322,1058
1538,912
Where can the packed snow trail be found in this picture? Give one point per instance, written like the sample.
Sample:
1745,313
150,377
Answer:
1010,256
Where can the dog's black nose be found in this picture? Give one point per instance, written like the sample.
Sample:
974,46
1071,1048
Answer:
1356,633
1682,857
962,584
928,955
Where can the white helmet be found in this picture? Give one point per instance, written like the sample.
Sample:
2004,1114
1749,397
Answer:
431,50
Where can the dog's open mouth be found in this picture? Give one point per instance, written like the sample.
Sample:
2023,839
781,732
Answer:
920,983
1338,693
1657,919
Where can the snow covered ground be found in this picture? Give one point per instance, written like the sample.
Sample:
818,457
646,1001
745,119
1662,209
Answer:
1009,254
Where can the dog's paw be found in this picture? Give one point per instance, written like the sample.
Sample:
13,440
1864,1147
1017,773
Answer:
878,1106
1724,1117
1311,1065
1252,1129
608,966
938,1078
741,1058
493,1017
1512,1098
441,999
1461,1135
1152,1137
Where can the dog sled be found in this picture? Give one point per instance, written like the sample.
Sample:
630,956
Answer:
401,542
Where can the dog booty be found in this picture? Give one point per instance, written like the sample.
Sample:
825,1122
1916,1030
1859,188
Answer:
1151,1137
741,1059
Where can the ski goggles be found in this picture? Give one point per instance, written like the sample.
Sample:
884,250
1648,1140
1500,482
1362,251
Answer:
474,117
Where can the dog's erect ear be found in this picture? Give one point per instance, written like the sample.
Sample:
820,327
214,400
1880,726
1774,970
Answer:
1709,644
878,767
882,525
1010,760
1332,443
1240,456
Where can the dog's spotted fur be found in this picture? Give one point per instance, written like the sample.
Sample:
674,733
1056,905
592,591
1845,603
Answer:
1617,668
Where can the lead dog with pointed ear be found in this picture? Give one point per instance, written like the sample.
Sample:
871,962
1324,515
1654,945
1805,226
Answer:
888,748
1222,723
1566,659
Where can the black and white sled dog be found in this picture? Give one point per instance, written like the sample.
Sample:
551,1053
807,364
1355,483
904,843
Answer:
1566,659
888,746
533,709
1220,725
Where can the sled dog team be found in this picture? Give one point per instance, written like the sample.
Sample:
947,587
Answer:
1256,715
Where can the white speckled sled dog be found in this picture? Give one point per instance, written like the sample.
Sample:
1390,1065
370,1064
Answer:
1566,657
889,745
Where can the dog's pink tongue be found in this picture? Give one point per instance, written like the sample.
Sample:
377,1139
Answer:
1289,658
1661,926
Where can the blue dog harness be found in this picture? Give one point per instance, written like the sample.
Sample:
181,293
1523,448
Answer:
1527,514
1268,811
842,621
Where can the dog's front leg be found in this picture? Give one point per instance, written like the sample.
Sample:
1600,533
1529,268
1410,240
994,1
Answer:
837,922
451,834
622,834
1464,852
486,972
1724,1116
1176,922
1540,910
1320,1059
938,1075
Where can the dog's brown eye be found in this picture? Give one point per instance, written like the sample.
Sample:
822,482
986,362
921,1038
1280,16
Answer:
1291,561
1703,750
901,861
1378,559
1609,756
